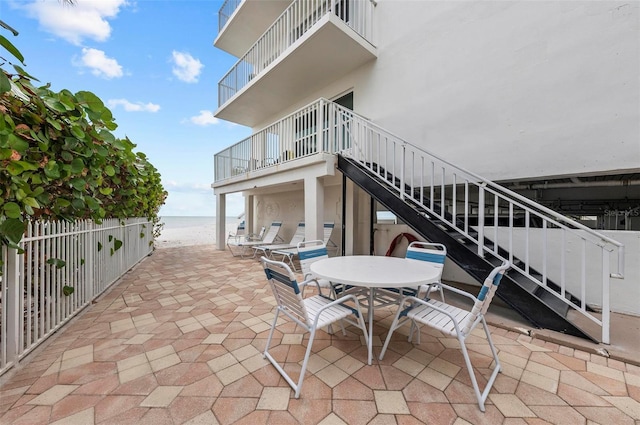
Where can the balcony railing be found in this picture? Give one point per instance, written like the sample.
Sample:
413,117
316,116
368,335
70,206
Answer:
294,22
319,127
226,11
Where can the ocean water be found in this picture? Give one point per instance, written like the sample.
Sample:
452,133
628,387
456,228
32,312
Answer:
186,231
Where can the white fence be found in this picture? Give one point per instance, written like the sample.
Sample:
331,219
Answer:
58,256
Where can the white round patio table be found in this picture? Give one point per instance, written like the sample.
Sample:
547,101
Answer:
371,272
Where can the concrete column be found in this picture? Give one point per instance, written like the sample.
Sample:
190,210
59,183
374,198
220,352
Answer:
221,214
313,208
249,213
351,218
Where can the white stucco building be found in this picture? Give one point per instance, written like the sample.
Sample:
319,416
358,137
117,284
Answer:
541,97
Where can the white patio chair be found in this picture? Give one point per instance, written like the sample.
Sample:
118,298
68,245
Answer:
454,321
266,250
309,252
434,253
290,253
270,237
310,313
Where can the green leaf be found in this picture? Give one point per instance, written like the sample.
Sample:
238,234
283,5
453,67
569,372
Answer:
117,244
18,143
11,49
78,184
77,165
82,261
67,290
92,203
56,262
76,130
24,73
99,246
12,229
5,83
55,124
31,202
52,170
106,191
12,210
142,235
110,238
109,170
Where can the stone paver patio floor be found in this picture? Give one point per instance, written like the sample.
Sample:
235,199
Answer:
179,339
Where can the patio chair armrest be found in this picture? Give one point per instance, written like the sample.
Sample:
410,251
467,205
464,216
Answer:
457,291
303,285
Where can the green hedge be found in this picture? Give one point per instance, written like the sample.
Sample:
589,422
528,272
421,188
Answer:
60,160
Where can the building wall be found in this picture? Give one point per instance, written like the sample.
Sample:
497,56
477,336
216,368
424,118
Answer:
288,207
506,89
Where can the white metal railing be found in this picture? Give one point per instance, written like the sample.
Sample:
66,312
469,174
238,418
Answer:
315,128
86,256
225,12
488,214
293,23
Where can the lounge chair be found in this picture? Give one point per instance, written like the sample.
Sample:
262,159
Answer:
310,313
454,321
288,254
271,236
267,249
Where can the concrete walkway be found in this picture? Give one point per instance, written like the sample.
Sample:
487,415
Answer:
178,341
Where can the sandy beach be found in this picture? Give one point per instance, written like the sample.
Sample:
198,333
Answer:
189,231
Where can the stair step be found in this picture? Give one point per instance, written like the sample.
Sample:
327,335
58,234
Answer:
524,282
552,301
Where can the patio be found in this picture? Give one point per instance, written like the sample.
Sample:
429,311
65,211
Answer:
178,341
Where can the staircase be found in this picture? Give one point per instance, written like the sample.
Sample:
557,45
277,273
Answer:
482,223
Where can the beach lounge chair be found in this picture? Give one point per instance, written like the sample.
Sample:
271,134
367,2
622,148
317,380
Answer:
454,321
271,236
310,314
288,254
266,250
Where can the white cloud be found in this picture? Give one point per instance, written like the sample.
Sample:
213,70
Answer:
205,118
186,67
133,107
100,64
83,19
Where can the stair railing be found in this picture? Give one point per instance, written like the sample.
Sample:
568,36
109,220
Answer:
491,216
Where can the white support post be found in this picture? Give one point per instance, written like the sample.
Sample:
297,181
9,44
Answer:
221,211
313,208
13,305
605,296
481,207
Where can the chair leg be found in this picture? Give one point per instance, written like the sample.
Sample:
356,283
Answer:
273,328
307,353
394,325
482,397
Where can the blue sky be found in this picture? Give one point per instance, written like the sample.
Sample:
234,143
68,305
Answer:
154,64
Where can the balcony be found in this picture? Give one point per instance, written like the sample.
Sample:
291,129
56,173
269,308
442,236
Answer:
242,22
313,43
321,127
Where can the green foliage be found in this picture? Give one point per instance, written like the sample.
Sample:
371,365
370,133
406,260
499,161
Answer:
59,159
56,262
